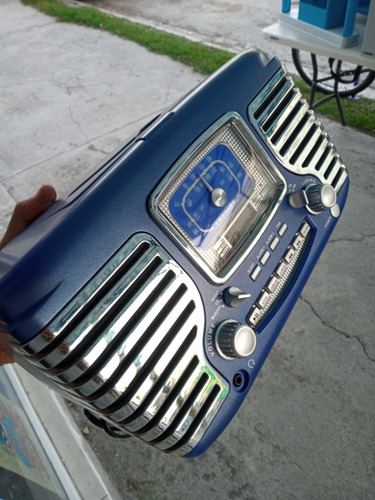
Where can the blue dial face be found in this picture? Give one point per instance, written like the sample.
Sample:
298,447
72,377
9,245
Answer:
209,194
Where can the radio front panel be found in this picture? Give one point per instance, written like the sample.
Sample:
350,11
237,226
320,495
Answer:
153,292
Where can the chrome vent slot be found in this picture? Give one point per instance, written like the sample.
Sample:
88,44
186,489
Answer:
129,347
293,134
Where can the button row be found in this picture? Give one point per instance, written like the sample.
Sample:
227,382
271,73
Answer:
277,281
267,254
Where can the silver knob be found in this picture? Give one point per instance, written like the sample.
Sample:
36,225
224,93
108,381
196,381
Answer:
316,198
320,197
234,340
233,296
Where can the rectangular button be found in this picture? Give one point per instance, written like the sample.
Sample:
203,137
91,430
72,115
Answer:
265,257
282,229
304,229
281,269
262,300
289,254
272,284
254,315
298,241
274,243
254,275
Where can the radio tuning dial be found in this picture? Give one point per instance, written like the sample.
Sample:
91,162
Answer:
320,197
315,197
234,340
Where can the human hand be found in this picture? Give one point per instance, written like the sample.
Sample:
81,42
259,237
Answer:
25,212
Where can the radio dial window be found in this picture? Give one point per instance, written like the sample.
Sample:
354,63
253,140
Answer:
219,197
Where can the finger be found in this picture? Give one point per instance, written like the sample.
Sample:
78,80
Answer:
27,211
5,349
5,358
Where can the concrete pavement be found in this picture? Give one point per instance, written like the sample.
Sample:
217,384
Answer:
69,95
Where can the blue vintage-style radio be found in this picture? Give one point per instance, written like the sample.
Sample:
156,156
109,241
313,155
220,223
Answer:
152,294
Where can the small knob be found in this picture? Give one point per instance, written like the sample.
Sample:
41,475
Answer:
320,197
234,340
315,197
233,296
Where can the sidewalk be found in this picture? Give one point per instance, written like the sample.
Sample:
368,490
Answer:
69,95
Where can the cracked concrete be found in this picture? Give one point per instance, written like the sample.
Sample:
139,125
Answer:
69,95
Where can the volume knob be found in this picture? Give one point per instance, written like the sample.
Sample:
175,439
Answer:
234,340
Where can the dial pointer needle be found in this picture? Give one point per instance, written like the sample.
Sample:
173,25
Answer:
210,188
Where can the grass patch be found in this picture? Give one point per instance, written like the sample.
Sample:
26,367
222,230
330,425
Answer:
358,113
202,58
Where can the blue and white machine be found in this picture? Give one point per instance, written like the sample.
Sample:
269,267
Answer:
154,292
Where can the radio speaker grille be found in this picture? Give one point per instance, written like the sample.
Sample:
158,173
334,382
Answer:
291,130
129,348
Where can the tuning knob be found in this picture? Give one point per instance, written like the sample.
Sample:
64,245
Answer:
320,197
315,197
234,340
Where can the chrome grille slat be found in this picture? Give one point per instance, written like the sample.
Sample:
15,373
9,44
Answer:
276,98
129,409
47,342
299,137
172,406
328,157
149,354
338,181
309,144
186,415
196,432
134,335
129,347
281,113
107,310
159,367
156,399
198,426
317,150
120,336
291,129
334,170
283,120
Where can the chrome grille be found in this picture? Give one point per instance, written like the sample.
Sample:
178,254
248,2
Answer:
293,133
130,348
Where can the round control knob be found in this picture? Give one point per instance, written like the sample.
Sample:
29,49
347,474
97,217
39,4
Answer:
234,340
316,198
233,296
320,197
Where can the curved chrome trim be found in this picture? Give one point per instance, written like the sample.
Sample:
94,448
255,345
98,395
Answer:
129,347
293,134
224,130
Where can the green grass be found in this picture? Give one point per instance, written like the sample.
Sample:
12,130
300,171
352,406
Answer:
358,113
202,58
